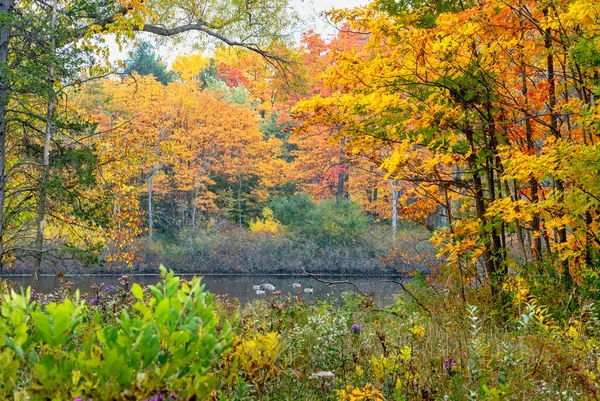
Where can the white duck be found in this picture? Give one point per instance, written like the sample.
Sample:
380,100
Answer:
308,290
297,285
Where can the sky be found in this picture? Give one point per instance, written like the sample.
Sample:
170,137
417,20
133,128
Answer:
314,7
310,10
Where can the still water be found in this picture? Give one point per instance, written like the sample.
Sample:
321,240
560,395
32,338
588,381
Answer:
241,287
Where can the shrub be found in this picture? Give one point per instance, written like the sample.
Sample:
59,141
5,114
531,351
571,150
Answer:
163,343
291,211
334,222
330,222
267,224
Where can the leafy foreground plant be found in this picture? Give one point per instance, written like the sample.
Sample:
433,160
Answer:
161,346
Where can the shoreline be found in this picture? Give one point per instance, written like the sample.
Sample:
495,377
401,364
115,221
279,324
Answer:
212,274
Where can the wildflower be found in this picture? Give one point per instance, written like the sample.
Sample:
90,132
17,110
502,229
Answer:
368,392
78,399
109,288
449,364
356,328
418,331
322,375
94,301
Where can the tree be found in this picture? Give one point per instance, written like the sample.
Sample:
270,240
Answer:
470,107
144,61
79,22
35,184
180,145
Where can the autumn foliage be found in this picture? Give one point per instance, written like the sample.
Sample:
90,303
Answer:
489,117
477,121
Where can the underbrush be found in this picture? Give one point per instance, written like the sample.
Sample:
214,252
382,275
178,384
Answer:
173,340
237,250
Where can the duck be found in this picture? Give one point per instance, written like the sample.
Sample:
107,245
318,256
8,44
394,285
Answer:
308,289
256,287
269,286
260,292
297,285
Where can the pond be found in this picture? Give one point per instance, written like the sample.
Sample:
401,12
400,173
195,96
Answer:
241,286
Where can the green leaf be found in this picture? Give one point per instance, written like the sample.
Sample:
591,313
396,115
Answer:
162,311
137,291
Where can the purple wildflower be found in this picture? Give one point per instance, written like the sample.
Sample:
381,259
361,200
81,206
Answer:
78,399
94,301
356,328
34,296
449,364
109,288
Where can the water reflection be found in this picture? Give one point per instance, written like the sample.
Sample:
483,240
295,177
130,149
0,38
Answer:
242,287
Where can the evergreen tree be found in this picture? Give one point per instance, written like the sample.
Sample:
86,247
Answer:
145,61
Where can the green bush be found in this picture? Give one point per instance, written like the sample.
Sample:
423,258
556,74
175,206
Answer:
291,211
334,222
330,222
163,342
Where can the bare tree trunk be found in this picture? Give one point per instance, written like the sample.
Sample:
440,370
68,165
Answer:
5,11
239,197
195,207
536,246
395,196
150,204
41,216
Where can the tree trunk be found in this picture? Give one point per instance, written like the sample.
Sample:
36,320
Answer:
41,216
395,196
461,276
340,192
533,184
5,11
518,228
239,197
494,164
195,207
150,204
197,194
559,185
342,175
488,259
